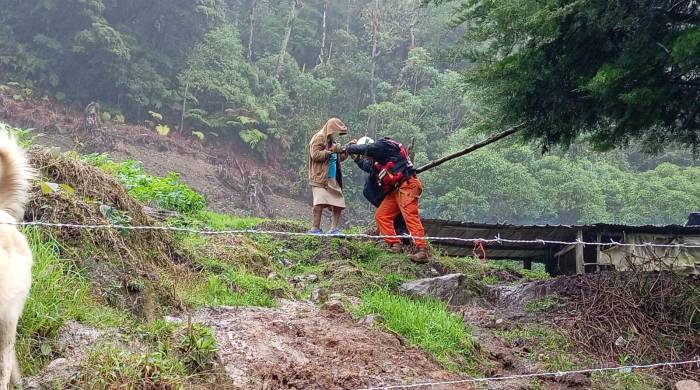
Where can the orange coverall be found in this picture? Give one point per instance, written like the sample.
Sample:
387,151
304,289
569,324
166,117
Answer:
403,201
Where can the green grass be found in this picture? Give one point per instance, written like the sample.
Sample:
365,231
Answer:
231,288
543,304
109,367
59,294
625,381
217,221
548,346
425,323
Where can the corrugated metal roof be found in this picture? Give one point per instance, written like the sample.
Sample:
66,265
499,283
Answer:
472,230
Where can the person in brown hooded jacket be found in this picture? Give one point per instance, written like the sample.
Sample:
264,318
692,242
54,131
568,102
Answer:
325,176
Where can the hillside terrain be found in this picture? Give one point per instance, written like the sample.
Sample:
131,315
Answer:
167,310
219,171
168,222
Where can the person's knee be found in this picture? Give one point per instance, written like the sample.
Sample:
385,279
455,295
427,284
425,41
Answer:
382,218
319,208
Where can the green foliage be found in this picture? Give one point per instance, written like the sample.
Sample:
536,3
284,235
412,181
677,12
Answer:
609,74
548,346
155,115
165,192
235,288
542,304
163,130
253,137
108,367
197,348
522,187
25,137
59,294
425,323
217,221
625,381
616,71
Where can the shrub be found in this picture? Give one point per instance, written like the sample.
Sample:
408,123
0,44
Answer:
164,192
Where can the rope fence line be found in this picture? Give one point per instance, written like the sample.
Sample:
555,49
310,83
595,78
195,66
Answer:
240,232
495,240
621,369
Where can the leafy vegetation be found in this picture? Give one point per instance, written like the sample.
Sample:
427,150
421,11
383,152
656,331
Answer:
59,294
619,72
197,348
164,192
224,68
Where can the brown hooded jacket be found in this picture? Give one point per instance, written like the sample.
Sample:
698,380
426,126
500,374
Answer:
319,152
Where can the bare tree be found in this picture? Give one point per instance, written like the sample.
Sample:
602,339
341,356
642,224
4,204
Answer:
321,55
251,28
293,6
375,20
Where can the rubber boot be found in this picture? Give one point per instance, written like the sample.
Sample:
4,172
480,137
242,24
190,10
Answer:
421,256
395,248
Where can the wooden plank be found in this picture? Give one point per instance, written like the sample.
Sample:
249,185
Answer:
580,269
565,250
597,252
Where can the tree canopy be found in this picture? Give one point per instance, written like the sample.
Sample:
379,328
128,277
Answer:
617,72
266,74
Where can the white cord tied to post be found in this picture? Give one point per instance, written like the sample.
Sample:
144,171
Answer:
240,232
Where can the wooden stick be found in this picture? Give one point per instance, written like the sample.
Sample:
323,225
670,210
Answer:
471,148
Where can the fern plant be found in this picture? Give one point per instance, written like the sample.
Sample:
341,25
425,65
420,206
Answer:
254,138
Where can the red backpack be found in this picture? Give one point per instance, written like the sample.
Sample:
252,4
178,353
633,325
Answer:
392,174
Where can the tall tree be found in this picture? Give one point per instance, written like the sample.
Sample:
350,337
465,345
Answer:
293,6
374,20
324,14
251,28
617,71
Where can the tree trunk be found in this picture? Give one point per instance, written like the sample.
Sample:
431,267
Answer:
321,55
348,14
287,35
371,121
184,108
251,28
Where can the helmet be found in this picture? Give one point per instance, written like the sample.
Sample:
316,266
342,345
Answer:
365,141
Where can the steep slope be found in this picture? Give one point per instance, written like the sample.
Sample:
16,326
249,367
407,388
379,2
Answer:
210,166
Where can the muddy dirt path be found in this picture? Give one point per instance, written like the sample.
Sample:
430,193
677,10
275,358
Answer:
299,346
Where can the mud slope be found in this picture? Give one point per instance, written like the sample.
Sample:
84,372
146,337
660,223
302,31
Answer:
298,346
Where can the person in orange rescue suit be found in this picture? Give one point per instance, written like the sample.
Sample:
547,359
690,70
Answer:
394,185
325,175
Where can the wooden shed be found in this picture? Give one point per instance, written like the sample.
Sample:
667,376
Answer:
560,258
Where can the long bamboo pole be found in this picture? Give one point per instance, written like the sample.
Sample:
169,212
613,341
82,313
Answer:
471,148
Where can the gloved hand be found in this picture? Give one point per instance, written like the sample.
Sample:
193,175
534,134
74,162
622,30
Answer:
336,148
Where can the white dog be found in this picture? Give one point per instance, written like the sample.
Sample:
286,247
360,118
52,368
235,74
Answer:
15,255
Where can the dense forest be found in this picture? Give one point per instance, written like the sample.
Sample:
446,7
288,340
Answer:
613,141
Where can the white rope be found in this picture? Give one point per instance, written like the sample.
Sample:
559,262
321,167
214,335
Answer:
495,240
622,369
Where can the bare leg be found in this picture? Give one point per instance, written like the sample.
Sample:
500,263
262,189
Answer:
335,219
318,214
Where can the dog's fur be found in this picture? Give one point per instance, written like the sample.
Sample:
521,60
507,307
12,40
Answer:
15,255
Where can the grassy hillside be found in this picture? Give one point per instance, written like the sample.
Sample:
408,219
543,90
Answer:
122,284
